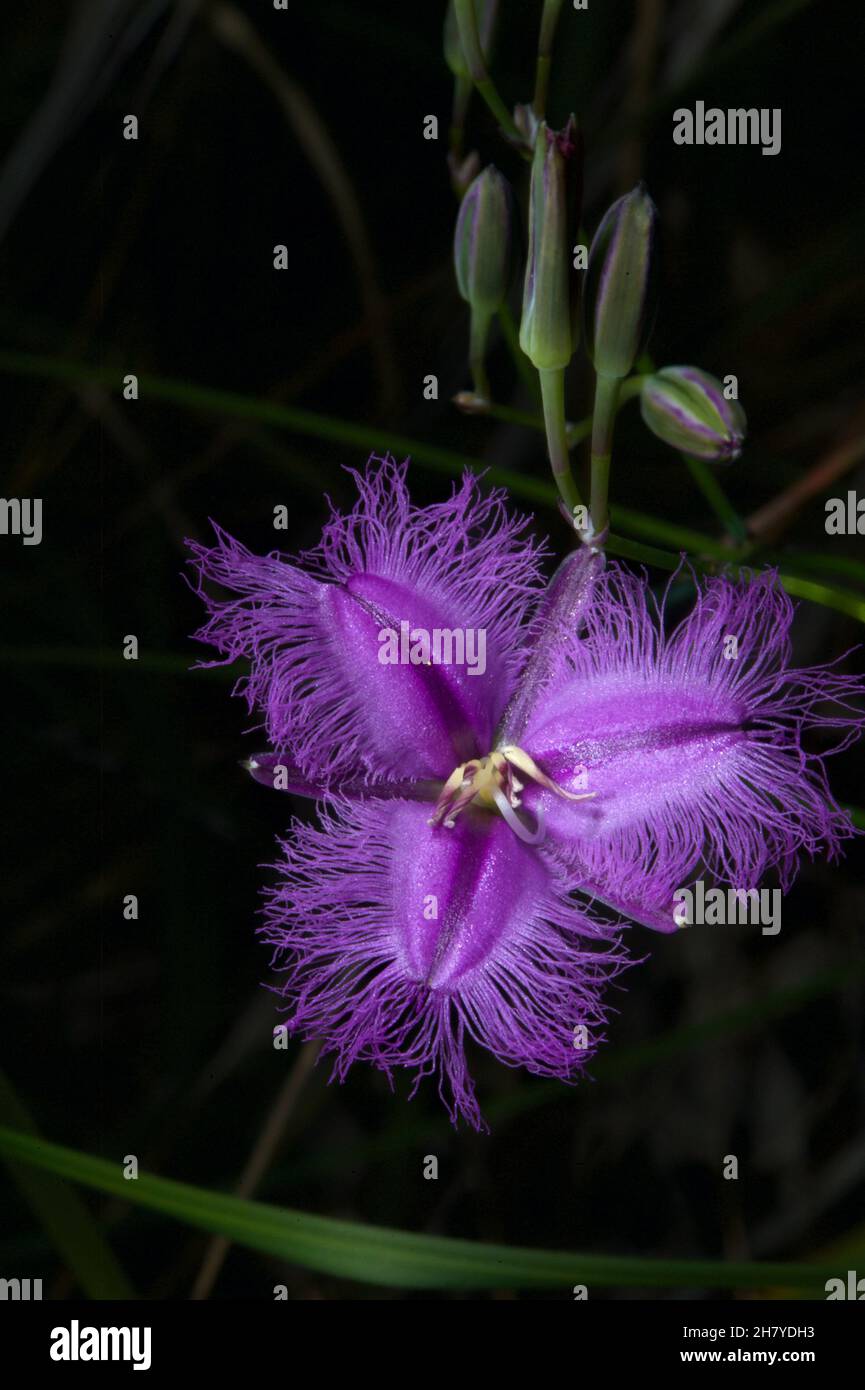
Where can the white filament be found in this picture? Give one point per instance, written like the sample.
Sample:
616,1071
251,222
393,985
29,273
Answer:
531,837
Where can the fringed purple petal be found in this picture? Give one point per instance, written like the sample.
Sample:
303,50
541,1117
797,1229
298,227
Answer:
558,616
697,758
399,942
276,771
311,629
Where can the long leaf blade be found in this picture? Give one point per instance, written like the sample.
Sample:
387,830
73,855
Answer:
377,1255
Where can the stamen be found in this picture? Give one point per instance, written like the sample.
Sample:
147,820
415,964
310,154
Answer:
531,837
519,759
492,782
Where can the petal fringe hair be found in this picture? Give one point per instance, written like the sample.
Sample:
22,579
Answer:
335,931
470,556
771,801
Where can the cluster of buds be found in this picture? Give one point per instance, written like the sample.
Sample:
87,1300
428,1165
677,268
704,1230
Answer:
683,406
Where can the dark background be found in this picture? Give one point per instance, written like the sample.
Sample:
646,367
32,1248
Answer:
155,257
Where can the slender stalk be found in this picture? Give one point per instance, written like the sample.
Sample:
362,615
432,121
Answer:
474,54
462,96
259,1160
603,422
470,404
578,430
575,430
771,519
478,334
629,388
642,59
549,20
232,404
553,398
488,91
716,497
524,367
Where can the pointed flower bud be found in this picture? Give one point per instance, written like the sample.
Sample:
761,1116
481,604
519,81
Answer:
687,409
619,298
548,329
463,171
527,122
484,241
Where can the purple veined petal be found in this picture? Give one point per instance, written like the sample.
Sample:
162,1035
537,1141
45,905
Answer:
398,942
311,629
558,619
638,897
696,758
281,774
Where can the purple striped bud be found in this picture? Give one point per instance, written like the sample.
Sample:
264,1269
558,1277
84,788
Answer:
484,241
619,298
687,409
548,329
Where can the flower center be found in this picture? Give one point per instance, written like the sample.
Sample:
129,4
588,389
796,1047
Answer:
492,782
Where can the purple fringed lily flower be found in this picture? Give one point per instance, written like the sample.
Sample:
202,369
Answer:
474,815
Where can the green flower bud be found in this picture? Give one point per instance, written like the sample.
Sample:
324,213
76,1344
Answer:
526,122
548,328
484,241
687,408
619,297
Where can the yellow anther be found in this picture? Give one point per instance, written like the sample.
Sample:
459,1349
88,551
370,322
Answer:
490,782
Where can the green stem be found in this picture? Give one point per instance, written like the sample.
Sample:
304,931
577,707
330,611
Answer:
394,1258
549,20
578,430
462,95
603,422
511,335
233,405
471,46
487,89
630,387
508,414
716,497
542,82
575,430
553,397
478,334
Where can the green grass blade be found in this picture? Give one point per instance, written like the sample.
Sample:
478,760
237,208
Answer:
446,461
827,595
681,538
810,561
716,497
66,1220
242,407
376,1255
